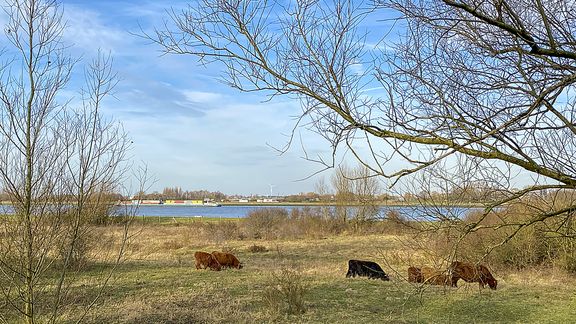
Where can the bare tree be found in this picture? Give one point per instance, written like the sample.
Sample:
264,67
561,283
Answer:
344,194
366,188
489,84
485,88
356,194
59,160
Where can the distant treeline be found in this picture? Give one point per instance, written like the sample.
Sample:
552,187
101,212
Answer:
470,194
178,193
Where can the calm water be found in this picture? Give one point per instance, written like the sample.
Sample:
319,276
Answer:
243,211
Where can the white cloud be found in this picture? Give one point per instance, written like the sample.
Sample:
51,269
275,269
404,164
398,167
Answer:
88,32
201,96
357,68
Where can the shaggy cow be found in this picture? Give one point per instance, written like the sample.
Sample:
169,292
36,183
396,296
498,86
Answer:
434,277
415,275
471,273
206,260
366,269
227,260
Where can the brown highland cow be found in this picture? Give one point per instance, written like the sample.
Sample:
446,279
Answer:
227,259
205,260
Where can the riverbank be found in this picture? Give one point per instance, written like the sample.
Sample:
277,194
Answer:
352,204
318,204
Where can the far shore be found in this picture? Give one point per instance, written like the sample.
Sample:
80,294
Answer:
320,204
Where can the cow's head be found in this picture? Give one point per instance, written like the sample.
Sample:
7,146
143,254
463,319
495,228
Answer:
492,283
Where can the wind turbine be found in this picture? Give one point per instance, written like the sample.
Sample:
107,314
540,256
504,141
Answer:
271,187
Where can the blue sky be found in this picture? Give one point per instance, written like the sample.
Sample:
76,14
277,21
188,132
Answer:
189,129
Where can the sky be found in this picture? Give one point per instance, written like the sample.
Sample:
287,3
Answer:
189,129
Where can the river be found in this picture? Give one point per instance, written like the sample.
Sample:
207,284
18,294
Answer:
227,211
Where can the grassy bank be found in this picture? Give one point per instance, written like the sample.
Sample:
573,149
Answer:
392,203
158,283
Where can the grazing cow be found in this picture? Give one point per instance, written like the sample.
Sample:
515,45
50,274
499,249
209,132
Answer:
366,269
415,275
227,260
205,260
471,273
434,277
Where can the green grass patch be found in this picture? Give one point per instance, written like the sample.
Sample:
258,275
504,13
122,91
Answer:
163,220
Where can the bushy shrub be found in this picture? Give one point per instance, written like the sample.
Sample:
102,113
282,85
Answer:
100,215
566,254
509,245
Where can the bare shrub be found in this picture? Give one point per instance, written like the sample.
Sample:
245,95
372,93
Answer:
257,248
220,231
276,223
172,245
285,292
310,222
79,238
395,216
74,253
396,223
265,223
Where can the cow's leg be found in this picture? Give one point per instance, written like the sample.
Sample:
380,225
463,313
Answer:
353,272
454,281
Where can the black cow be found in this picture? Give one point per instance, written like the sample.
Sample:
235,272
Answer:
365,269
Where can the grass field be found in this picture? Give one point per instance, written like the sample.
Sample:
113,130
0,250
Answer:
158,283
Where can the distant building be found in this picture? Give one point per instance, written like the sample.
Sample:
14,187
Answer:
267,200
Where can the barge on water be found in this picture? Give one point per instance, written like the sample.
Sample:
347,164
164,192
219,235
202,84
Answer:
168,202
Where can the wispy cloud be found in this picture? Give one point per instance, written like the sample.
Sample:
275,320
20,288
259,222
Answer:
201,96
89,32
189,128
382,46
